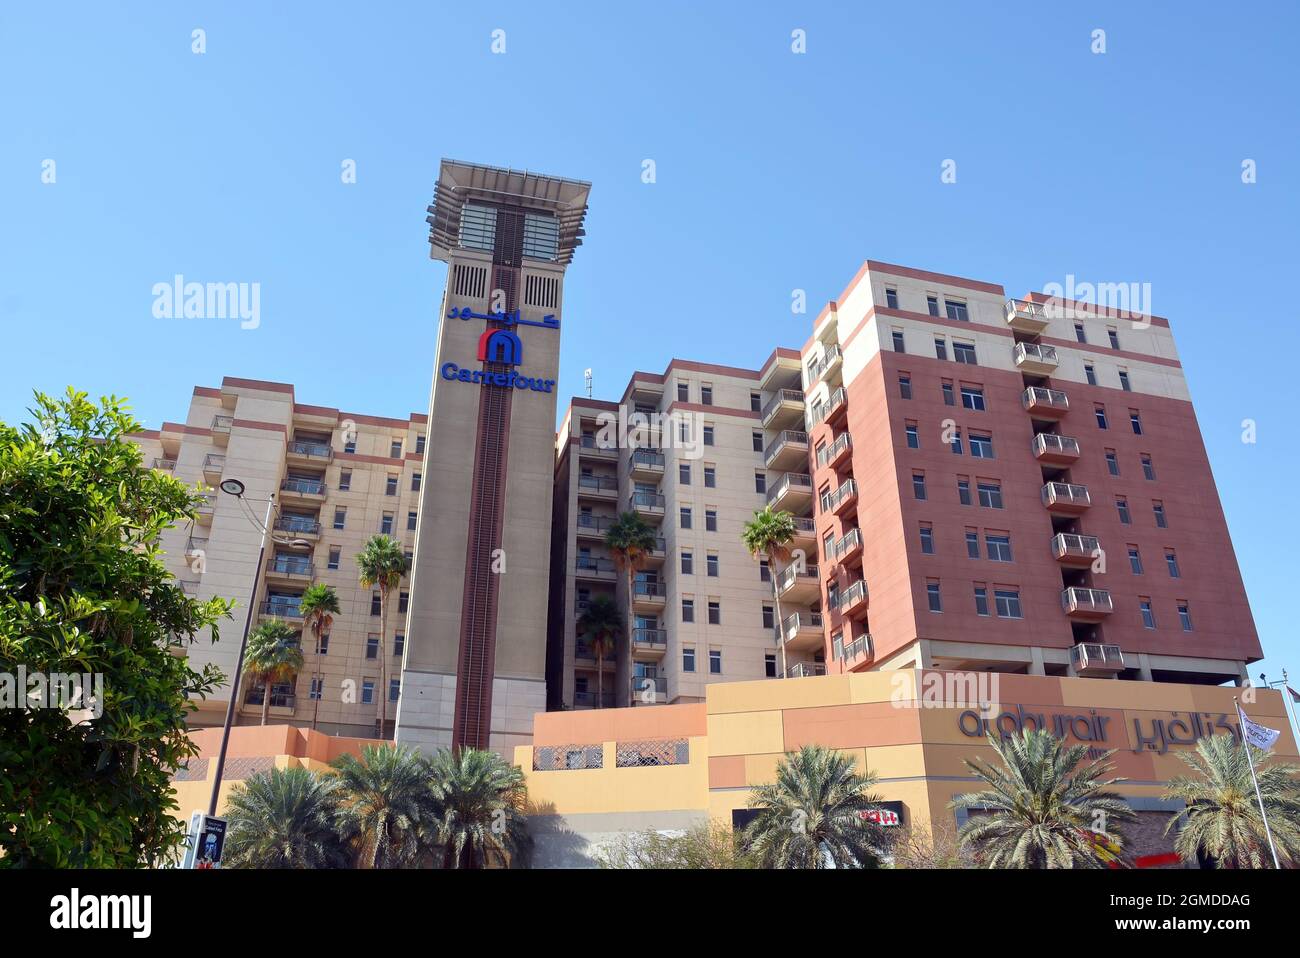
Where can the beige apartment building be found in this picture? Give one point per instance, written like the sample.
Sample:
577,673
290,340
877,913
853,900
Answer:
336,478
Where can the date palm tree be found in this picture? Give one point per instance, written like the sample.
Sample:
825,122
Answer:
274,654
602,626
1222,819
630,539
319,604
386,812
815,814
768,536
284,818
382,564
1044,807
478,801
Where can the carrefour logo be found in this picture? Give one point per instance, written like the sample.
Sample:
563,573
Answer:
500,346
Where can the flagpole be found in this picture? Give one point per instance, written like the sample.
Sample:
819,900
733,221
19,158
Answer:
1290,704
1268,832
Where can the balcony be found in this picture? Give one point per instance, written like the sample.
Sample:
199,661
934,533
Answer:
805,533
1086,605
1026,317
309,452
647,505
595,568
583,650
649,689
830,410
1075,551
282,703
1034,359
854,600
593,448
165,465
1044,403
848,547
787,451
281,609
206,507
784,409
858,651
650,596
287,568
587,700
781,372
829,361
649,644
302,489
834,455
843,500
1054,450
598,487
646,464
300,527
802,631
221,426
658,552
805,670
1094,658
593,527
1065,499
798,586
213,467
792,492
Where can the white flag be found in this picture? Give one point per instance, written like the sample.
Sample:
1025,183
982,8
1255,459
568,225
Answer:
1257,735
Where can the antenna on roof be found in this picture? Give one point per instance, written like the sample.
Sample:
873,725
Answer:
586,373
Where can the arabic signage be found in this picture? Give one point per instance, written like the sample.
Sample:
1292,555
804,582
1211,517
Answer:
1090,728
503,346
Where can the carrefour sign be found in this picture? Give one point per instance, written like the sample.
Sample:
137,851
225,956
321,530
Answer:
500,346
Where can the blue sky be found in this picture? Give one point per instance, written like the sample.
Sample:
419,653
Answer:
775,172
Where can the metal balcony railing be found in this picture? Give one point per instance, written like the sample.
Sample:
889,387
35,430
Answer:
850,541
279,700
781,397
1065,493
804,670
310,487
646,500
588,699
1037,396
297,524
649,636
803,526
839,495
1080,599
292,565
833,451
1096,655
222,423
802,620
1035,353
786,436
787,482
594,523
644,683
820,411
1045,442
167,465
598,483
593,564
207,501
592,443
214,463
853,594
1068,544
1023,309
319,450
791,574
646,459
858,647
649,590
817,368
284,610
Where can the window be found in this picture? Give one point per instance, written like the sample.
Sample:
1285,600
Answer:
990,494
711,564
1124,384
1148,617
1008,603
685,517
981,600
1121,506
415,482
1114,337
688,659
956,311
1100,412
891,297
948,397
898,342
758,441
769,618
374,603
688,563
940,347
955,444
395,450
411,519
419,445
837,646
367,691
403,602
1148,468
760,482
345,480
1091,374
350,445
918,485
323,647
340,517
688,610
932,305
927,539
684,474
1135,420
335,555
1158,508
372,646
972,544
1171,560
708,435
964,353
913,438
998,547
683,392
706,395
981,447
316,685
933,597
715,612
710,520
963,491
972,397
390,487
1079,334
1185,616
765,571
755,402
905,386
386,524
1134,560
399,644
715,661
769,665
394,689
1112,462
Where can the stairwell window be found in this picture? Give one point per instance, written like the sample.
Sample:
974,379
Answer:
1148,468
1091,375
1112,462
933,597
1079,334
891,297
972,544
1100,412
1135,420
1148,616
1121,506
913,437
899,347
1171,561
927,539
940,347
1185,616
918,485
1134,560
1158,508
905,386
932,306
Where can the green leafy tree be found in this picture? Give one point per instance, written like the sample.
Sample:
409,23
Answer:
319,604
284,818
814,814
1222,819
768,536
479,802
708,845
83,590
630,540
1044,806
274,655
602,626
386,809
382,564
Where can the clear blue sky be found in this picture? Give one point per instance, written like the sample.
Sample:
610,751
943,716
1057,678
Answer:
775,171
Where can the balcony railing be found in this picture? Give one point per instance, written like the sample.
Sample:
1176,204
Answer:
1065,494
646,500
279,700
834,450
819,412
789,481
592,444
222,423
1045,443
207,502
309,487
167,465
588,699
593,564
283,610
781,397
791,574
1067,545
318,450
818,368
598,483
853,595
592,523
646,683
858,647
786,437
832,500
1024,314
214,463
1095,656
649,636
646,459
292,565
805,670
1039,397
1034,353
803,526
1080,599
851,541
802,620
649,590
297,524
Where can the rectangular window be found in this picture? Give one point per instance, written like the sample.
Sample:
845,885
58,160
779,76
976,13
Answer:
688,659
715,661
1185,616
345,480
395,451
1100,412
755,402
394,689
757,438
769,665
1091,375
964,353
688,610
386,524
913,437
711,564
905,386
972,397
927,539
403,602
411,519
769,618
948,397
955,444
323,648
706,395
1134,560
1114,337
1008,603
415,482
419,445
683,392
933,597
1124,384
956,311
710,520
1135,420
390,487
708,435
372,646
760,482
1121,506
350,446
981,447
715,613
981,600
1079,334
340,517
336,553
891,297
918,485
685,517
1148,468
764,571
1112,462
932,305
898,342
367,691
940,347
963,491
316,685
684,474
972,544
1148,616
1171,561
998,547
688,563
990,494
1158,508
399,644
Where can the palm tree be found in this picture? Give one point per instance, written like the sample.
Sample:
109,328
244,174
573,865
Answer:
1043,808
767,536
815,814
382,564
629,538
274,654
479,803
385,808
284,818
319,604
1222,813
602,626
